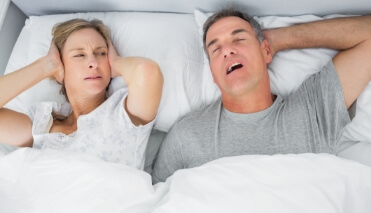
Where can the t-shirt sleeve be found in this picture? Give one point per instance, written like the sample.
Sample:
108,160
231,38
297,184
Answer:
30,112
116,107
323,93
137,136
169,158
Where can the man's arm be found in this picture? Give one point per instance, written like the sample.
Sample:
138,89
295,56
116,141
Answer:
350,35
169,158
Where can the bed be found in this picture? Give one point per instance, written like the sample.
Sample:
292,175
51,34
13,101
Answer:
169,32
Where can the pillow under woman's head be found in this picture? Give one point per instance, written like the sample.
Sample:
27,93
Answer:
169,39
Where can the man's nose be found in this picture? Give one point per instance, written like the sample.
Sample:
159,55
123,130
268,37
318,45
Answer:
229,51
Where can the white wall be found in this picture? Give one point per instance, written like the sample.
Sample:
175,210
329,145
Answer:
253,7
12,26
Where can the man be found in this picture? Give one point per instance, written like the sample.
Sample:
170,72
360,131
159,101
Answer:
249,119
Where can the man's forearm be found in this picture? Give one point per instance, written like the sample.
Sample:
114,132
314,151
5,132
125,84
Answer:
338,33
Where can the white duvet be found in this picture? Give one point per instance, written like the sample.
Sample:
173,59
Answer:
54,181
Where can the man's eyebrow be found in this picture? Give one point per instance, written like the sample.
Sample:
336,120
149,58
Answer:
238,31
234,32
211,43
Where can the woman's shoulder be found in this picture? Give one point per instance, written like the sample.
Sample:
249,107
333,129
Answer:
42,109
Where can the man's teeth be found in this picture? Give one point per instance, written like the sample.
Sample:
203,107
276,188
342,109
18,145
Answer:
233,67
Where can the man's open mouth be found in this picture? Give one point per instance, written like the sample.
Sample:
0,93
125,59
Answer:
233,67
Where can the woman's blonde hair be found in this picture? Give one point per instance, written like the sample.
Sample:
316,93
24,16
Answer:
63,30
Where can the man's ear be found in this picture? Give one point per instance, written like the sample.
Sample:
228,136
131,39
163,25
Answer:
267,52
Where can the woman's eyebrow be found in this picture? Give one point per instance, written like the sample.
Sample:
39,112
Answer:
81,48
101,47
73,49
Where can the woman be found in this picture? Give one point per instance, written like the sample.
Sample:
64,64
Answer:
83,59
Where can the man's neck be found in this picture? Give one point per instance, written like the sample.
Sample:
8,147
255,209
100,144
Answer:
248,104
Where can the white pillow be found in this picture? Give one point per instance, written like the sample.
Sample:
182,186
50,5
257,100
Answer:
169,39
290,68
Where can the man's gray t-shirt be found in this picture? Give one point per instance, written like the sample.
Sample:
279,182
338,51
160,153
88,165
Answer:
309,120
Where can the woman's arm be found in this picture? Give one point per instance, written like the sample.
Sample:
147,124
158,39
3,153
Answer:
15,127
144,80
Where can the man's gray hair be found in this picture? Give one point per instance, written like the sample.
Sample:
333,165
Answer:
228,12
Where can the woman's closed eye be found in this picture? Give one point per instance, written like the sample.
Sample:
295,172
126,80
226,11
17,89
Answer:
79,55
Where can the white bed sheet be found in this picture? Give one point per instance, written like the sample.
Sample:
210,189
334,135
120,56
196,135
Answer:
59,181
56,181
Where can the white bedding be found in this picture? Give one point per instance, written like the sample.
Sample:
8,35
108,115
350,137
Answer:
56,181
59,181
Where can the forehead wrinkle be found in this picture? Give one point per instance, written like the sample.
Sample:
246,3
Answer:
82,39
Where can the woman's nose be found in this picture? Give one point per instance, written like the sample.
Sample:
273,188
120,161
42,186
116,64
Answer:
92,64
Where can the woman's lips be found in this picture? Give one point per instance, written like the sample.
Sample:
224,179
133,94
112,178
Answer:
92,78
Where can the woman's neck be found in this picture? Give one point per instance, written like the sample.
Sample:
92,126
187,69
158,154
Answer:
83,106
